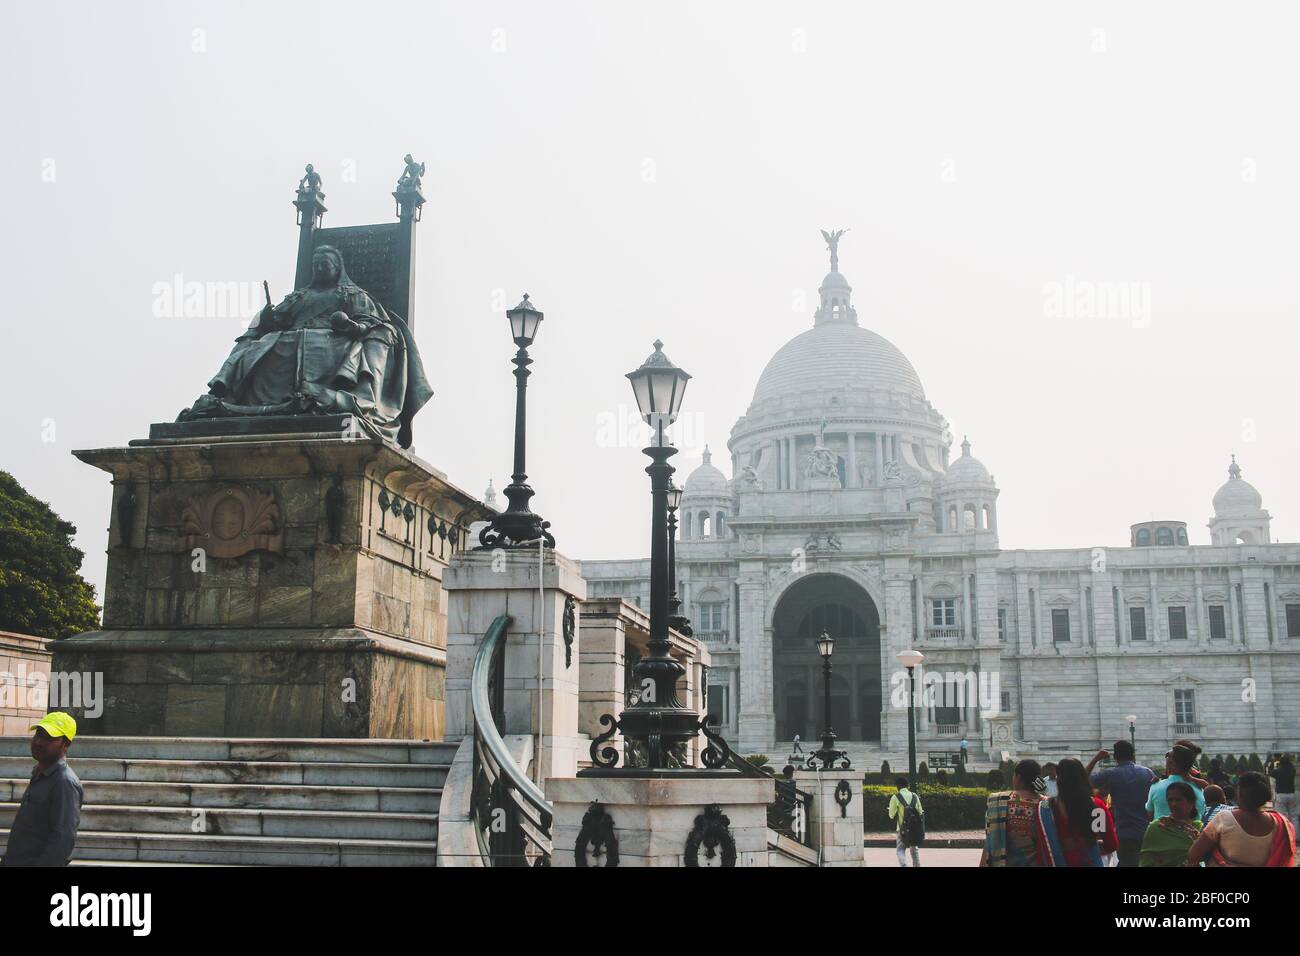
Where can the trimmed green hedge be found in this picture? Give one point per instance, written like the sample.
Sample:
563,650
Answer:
946,808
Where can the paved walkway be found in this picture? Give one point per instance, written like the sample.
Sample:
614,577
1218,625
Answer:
879,857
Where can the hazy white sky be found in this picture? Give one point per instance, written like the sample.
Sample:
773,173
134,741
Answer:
662,170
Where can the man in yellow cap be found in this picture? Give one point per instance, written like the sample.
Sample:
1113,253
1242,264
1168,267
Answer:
44,831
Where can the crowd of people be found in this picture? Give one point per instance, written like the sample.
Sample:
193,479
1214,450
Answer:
1068,814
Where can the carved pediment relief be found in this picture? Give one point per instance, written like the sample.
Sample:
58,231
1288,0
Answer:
231,522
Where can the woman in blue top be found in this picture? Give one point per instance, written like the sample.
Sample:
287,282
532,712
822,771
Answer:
1178,765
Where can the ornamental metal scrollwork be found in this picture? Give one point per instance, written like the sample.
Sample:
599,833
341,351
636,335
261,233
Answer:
605,756
828,759
711,832
596,839
717,754
843,796
570,628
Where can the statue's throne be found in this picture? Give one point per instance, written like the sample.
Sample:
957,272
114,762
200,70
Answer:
379,257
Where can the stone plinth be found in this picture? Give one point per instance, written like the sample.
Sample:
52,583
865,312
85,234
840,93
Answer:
836,831
23,657
653,816
480,586
270,587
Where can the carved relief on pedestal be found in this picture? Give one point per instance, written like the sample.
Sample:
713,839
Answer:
230,522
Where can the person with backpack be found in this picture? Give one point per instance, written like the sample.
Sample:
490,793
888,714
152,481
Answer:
905,810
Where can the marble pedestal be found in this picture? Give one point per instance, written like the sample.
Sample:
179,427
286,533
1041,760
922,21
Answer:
836,831
653,817
272,586
480,586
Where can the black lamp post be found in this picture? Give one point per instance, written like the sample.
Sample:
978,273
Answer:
827,755
676,620
911,660
1132,731
658,720
517,526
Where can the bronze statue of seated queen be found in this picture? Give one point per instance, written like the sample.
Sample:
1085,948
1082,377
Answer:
326,349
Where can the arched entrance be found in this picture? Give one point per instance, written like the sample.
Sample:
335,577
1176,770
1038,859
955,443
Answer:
839,606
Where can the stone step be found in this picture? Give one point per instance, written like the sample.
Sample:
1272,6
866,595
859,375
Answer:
97,848
247,796
316,750
332,824
314,773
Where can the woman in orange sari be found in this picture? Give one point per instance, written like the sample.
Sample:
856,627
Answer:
1248,834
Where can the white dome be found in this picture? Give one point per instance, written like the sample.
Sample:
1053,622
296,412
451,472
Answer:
1236,496
836,354
967,469
706,480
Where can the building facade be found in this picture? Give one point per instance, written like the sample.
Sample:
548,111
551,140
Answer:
846,515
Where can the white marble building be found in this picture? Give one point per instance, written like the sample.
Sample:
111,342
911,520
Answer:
845,514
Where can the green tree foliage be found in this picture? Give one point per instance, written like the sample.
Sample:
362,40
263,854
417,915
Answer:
41,591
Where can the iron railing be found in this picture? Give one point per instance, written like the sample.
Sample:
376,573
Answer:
789,812
512,817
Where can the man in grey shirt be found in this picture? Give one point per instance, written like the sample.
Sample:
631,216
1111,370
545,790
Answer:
44,831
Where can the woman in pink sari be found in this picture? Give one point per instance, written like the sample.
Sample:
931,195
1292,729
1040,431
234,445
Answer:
1248,834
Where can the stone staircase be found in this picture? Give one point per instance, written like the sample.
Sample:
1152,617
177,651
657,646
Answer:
204,800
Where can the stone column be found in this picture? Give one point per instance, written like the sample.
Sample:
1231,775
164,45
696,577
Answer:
481,585
880,460
1154,624
601,669
836,831
896,636
967,612
1121,625
757,725
853,462
1202,627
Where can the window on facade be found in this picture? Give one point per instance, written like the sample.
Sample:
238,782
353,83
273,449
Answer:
1184,707
1164,537
947,697
718,530
943,612
1178,623
1293,620
1006,702
968,520
1002,624
1182,535
1218,623
712,616
719,704
1137,623
1143,538
704,524
1060,625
